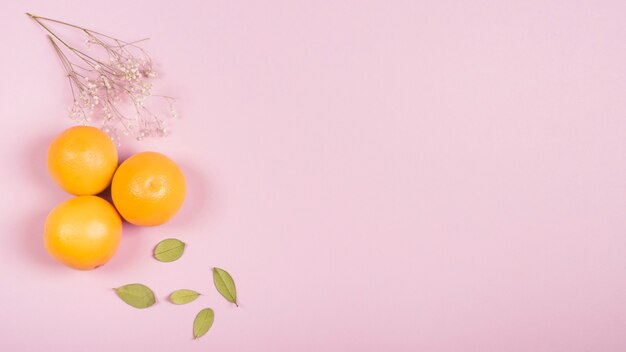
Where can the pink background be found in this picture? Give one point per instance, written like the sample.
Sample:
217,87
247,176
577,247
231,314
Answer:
376,175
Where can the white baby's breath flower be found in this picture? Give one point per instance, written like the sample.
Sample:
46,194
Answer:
98,86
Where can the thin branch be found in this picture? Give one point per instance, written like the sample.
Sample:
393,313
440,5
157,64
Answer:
100,85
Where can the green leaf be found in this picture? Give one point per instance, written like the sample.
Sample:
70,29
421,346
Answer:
169,250
136,295
203,322
225,285
183,296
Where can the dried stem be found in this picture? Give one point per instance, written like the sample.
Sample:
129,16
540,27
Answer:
98,86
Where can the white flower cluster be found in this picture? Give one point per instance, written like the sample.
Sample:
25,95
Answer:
115,92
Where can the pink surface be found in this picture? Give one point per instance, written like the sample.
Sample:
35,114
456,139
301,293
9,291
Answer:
376,175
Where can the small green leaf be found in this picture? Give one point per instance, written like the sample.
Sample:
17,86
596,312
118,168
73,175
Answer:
225,285
136,295
203,322
169,250
183,296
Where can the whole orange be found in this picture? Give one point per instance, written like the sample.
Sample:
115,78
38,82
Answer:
148,189
83,232
82,160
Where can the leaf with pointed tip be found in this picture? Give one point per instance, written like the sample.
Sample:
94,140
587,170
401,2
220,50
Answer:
203,322
183,296
169,250
136,295
225,285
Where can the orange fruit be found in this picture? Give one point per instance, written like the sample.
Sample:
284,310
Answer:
148,189
82,160
83,232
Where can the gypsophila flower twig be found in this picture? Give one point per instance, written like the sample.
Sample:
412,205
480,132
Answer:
101,87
